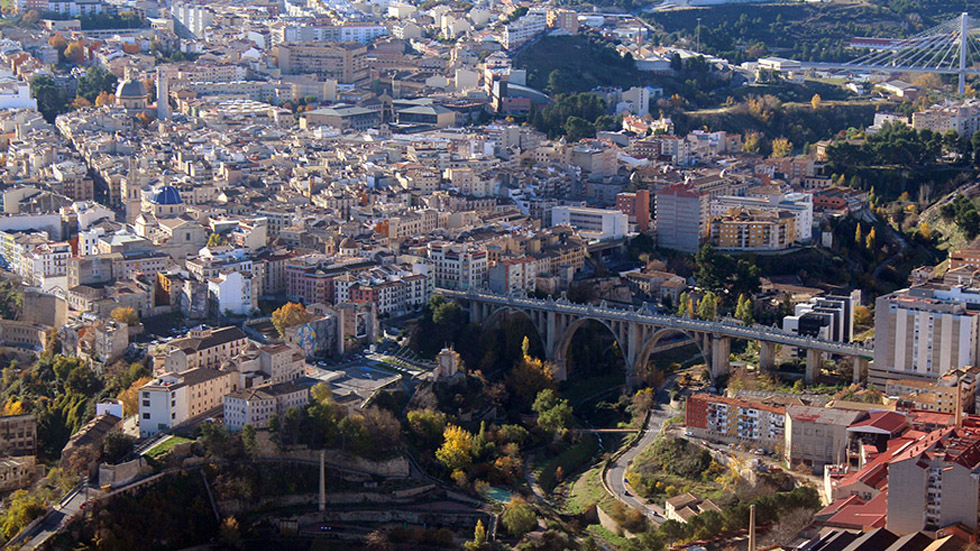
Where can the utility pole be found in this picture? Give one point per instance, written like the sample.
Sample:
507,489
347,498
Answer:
964,38
697,39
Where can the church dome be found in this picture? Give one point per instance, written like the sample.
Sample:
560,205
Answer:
348,243
130,89
166,195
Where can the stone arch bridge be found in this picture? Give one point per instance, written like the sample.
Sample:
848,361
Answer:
639,330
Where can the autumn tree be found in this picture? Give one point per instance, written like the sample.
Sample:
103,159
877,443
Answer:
130,396
870,241
13,407
925,231
752,143
105,98
862,315
216,240
124,314
456,452
59,43
781,147
289,315
858,235
530,375
815,101
80,103
75,53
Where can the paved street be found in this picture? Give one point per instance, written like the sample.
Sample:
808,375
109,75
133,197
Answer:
616,473
51,522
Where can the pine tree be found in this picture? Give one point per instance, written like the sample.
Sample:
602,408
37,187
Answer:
708,307
870,242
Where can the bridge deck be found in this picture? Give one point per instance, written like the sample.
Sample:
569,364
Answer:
725,328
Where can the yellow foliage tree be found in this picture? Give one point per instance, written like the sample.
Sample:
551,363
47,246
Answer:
80,103
130,396
75,53
752,142
530,375
456,452
925,230
105,98
781,147
289,315
124,315
815,101
13,407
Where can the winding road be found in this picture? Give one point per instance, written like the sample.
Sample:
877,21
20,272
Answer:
615,474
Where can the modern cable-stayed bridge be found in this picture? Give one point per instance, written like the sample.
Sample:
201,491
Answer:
951,48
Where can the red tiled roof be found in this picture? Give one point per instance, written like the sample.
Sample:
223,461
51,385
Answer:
862,516
888,421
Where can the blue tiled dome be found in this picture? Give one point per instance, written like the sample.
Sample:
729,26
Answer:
167,195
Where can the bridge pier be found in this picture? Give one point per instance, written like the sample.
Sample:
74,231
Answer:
767,356
814,359
561,369
721,350
859,365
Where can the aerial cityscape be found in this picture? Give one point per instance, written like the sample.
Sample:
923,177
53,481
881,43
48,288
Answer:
489,275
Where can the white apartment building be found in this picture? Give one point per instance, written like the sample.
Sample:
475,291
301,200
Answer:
231,293
46,260
518,33
923,332
961,117
458,266
599,224
172,399
255,406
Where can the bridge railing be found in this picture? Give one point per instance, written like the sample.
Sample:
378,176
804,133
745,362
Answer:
728,327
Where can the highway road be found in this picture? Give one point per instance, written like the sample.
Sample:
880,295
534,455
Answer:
616,472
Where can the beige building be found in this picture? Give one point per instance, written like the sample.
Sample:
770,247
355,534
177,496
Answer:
346,62
203,348
817,436
933,483
938,395
18,435
924,332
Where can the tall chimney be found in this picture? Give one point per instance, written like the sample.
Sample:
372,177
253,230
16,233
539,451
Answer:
323,482
752,527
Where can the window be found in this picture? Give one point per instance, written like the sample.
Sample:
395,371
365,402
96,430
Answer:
146,403
146,416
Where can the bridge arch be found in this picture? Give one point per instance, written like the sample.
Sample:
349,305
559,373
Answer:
537,335
646,349
559,354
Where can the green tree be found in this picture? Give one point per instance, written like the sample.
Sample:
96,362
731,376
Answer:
743,311
117,446
554,413
682,304
577,128
216,240
96,81
519,518
708,306
50,101
975,142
